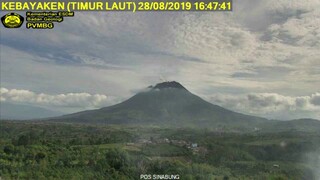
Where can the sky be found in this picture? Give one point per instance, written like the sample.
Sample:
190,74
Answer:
261,59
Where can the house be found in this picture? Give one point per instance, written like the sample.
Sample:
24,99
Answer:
194,145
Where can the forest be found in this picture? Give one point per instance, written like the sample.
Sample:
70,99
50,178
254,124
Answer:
43,150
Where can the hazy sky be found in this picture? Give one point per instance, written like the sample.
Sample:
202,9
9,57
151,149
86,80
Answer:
262,59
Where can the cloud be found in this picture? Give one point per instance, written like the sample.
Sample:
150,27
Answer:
272,104
315,99
76,100
298,31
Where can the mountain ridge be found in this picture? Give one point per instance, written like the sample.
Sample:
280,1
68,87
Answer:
25,112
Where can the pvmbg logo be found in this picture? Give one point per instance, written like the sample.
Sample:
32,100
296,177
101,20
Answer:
12,20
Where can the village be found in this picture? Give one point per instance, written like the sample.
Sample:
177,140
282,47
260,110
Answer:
192,146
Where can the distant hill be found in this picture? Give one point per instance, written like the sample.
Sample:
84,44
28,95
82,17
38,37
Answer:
167,103
305,125
24,112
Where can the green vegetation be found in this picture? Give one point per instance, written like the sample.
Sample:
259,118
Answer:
30,150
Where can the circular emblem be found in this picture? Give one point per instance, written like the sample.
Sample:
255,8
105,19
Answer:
12,20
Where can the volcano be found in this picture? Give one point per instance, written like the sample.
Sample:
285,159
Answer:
167,104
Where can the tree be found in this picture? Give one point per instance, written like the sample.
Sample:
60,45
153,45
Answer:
23,140
225,178
39,156
117,159
8,149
